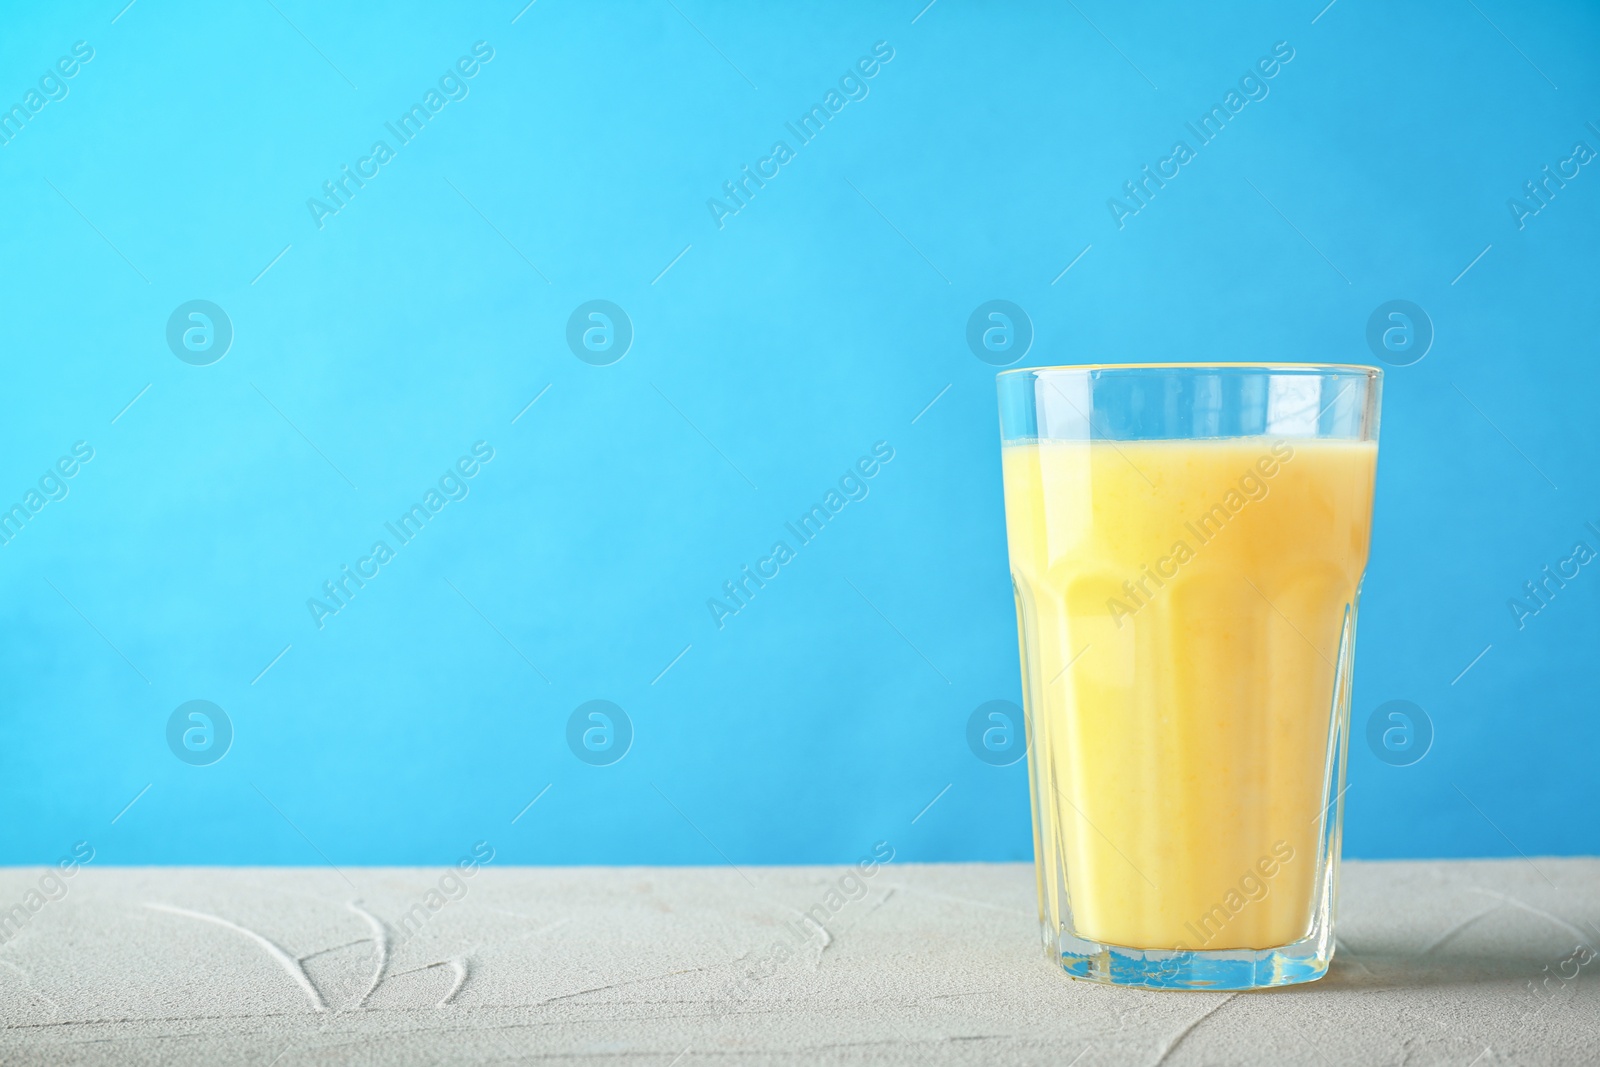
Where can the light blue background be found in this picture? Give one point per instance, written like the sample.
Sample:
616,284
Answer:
811,326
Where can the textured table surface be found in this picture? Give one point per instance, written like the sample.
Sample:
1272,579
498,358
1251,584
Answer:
1482,962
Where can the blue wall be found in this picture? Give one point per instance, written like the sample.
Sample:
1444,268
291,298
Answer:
772,348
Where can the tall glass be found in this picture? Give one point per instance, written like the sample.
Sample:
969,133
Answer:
1187,545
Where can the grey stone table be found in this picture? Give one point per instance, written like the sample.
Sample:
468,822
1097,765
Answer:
1482,962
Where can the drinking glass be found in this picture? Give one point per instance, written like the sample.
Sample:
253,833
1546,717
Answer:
1187,546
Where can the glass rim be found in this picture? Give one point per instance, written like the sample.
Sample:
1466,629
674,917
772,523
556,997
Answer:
1363,369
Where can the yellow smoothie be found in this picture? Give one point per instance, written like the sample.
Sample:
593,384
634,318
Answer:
1182,607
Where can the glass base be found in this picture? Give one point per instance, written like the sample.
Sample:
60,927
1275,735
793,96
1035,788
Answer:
1225,970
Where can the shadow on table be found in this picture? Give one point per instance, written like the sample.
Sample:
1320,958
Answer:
1378,966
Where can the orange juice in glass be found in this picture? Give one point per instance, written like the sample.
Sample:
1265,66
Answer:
1187,544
